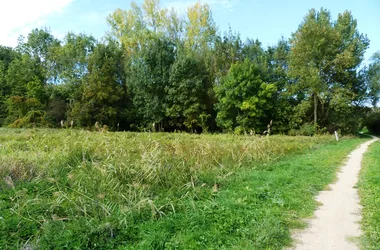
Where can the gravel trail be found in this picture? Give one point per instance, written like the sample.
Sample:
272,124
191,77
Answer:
336,222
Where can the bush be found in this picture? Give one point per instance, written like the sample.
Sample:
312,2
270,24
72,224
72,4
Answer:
239,130
294,132
308,129
373,123
35,118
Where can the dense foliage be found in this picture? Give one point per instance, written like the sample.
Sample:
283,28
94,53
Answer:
160,71
373,122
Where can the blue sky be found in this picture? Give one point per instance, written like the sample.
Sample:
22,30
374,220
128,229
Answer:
264,20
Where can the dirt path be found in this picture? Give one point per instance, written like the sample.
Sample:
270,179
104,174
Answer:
336,223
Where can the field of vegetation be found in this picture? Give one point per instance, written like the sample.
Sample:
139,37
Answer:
73,189
369,189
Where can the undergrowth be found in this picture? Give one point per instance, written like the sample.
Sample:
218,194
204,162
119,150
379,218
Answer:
70,189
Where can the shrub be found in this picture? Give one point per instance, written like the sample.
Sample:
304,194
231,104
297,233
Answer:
35,118
239,130
293,132
308,129
373,123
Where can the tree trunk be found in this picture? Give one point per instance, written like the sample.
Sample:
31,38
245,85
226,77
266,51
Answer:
315,109
323,110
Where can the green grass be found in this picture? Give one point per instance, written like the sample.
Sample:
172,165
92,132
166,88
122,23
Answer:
369,190
81,190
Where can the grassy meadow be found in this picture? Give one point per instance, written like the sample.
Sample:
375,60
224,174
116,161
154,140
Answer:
73,189
369,190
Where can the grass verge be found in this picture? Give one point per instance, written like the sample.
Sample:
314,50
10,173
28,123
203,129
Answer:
67,189
369,190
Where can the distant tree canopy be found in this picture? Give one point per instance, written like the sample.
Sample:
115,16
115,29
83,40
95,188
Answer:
158,70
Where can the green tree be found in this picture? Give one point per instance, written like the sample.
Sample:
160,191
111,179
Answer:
38,44
41,45
151,76
324,59
373,80
27,92
20,73
7,56
71,60
188,98
134,27
228,50
244,98
102,88
278,69
200,27
314,45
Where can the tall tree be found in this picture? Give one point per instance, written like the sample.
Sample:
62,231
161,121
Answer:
324,58
200,27
244,98
72,58
134,27
7,56
102,88
188,101
40,46
21,72
373,78
278,69
228,50
151,76
313,50
25,80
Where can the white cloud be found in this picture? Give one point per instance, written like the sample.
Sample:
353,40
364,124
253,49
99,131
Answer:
18,17
181,6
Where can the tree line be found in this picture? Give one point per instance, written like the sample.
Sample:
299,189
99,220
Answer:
157,70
